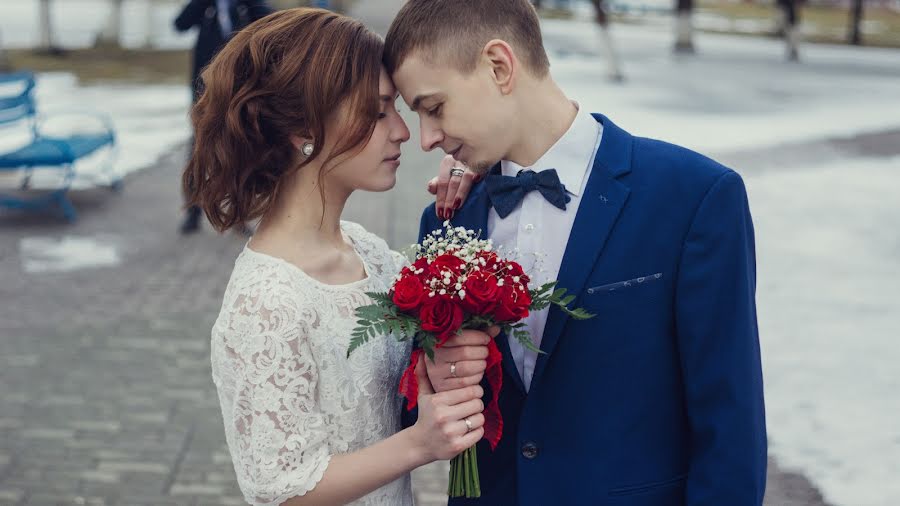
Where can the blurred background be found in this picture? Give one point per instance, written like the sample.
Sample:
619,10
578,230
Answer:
107,299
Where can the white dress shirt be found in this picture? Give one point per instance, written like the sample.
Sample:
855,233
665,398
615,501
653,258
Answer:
536,231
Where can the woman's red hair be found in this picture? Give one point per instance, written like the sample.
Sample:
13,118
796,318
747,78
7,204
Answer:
283,75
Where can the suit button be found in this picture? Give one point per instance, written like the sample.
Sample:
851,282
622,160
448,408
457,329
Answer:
529,450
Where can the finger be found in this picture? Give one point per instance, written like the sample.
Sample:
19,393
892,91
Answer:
454,397
463,189
425,387
465,409
466,368
432,186
436,373
452,187
468,338
460,427
493,331
445,384
443,180
469,440
459,354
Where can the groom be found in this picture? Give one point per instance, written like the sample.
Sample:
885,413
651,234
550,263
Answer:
657,400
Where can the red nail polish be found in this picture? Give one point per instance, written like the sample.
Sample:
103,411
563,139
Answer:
441,214
457,203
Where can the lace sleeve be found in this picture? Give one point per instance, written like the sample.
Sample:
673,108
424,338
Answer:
400,260
267,379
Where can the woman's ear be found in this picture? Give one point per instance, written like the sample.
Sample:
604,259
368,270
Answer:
304,145
298,141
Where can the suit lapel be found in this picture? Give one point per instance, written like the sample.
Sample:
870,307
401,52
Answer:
602,202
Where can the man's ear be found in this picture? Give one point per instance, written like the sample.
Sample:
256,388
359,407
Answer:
503,63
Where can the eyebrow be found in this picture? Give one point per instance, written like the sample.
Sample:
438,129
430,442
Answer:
388,98
421,98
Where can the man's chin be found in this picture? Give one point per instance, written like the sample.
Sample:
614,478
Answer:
480,168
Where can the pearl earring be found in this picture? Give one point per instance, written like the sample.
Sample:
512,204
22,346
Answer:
307,148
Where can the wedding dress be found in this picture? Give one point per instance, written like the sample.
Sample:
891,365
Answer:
290,397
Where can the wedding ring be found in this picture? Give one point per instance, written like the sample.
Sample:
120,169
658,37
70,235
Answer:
468,425
457,172
453,369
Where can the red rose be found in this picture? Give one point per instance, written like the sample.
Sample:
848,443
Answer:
492,262
420,264
441,317
482,293
514,270
447,262
409,293
513,304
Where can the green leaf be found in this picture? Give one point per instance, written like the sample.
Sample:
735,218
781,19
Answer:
381,299
524,337
427,342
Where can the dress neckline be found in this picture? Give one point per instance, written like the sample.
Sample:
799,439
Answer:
348,238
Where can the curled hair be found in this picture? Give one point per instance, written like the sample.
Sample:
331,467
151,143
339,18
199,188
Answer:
283,75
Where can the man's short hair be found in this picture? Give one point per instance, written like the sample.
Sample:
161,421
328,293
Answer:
456,31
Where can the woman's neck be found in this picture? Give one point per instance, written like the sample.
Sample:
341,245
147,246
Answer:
300,217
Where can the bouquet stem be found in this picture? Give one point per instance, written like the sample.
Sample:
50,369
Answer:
464,480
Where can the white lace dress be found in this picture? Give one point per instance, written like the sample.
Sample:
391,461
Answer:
290,397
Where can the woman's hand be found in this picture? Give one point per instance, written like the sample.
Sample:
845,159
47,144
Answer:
441,431
451,190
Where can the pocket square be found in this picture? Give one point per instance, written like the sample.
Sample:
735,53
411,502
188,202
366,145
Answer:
619,285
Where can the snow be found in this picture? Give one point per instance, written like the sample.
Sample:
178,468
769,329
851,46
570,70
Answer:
69,253
829,316
76,23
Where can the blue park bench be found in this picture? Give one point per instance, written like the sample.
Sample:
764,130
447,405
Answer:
43,151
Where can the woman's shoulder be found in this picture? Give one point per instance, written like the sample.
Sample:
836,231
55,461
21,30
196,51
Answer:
264,295
364,239
259,279
374,247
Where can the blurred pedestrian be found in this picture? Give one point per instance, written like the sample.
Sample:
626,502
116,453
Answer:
614,69
217,21
790,25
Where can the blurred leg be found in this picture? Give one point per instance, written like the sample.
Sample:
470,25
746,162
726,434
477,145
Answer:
191,222
684,29
606,42
791,29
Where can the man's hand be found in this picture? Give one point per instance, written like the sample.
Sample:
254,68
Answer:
461,361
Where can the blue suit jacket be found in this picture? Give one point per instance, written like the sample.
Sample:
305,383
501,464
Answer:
658,400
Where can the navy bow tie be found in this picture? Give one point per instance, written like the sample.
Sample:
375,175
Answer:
507,192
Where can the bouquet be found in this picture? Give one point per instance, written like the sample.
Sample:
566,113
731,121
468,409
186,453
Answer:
457,281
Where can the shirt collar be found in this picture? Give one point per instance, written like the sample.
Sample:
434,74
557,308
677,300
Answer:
570,156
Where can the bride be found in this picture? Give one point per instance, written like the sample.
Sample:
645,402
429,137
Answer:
297,114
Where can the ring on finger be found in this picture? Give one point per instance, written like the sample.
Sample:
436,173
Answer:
469,426
457,172
453,370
